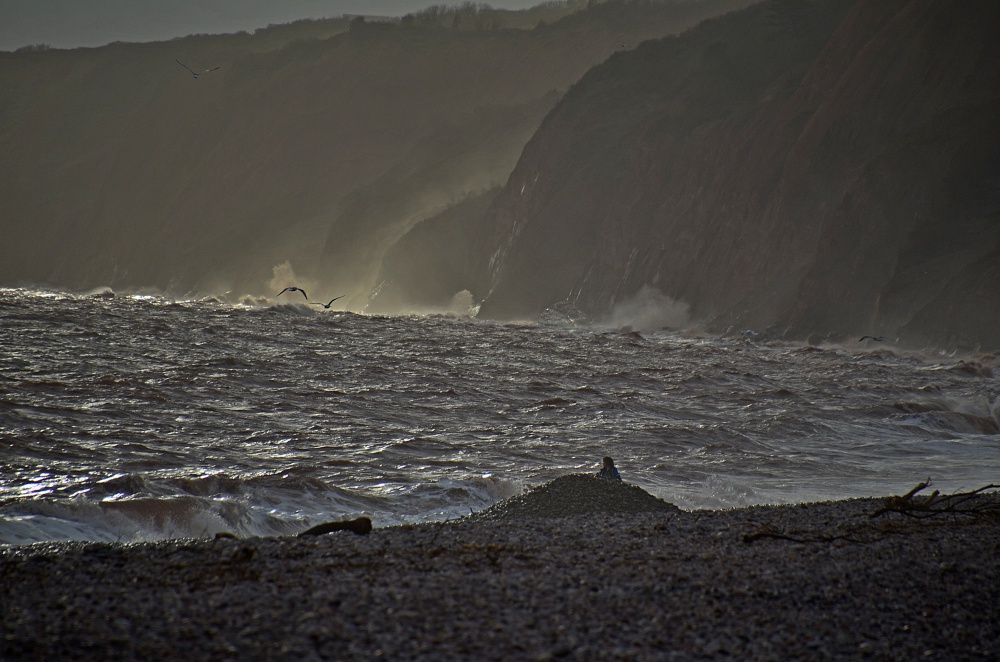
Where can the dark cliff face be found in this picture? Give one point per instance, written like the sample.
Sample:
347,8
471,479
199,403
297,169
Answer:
819,169
474,148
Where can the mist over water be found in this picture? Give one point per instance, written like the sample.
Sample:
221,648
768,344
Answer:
129,417
650,310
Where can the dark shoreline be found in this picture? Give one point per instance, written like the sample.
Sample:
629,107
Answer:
809,581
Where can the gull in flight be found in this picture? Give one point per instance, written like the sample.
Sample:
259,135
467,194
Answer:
875,338
327,305
292,289
194,73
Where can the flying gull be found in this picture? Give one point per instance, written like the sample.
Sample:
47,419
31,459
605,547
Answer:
194,73
327,305
875,338
292,289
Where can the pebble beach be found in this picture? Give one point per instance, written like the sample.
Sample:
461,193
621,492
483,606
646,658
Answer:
578,568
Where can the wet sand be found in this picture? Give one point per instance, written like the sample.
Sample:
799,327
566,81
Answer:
814,581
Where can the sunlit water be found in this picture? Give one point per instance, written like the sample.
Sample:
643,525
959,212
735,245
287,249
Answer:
127,418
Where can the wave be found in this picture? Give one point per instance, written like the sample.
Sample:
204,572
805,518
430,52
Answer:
125,520
952,422
951,416
132,507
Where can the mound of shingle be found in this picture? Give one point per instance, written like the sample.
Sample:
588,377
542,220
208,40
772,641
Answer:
577,494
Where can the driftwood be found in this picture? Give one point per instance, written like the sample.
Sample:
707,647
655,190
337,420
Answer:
962,503
771,532
970,504
361,526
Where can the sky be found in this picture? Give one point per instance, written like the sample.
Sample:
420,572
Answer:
73,23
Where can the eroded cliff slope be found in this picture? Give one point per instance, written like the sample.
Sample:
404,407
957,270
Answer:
818,169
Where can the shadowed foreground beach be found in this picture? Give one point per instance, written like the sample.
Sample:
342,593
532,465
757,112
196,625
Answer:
634,578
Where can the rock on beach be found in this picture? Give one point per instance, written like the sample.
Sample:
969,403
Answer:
542,576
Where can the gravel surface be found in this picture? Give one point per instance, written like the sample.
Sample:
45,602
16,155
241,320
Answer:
577,494
814,581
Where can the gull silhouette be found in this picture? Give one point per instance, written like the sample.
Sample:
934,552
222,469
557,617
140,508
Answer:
194,73
875,338
292,289
327,305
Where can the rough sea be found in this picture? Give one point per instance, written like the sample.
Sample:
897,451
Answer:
136,417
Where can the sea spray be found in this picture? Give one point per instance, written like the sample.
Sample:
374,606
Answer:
649,310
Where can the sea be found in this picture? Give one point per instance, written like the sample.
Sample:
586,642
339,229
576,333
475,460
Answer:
133,417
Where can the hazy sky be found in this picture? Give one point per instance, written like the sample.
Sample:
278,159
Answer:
71,23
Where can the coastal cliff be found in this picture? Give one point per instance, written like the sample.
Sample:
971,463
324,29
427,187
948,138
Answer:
810,170
817,170
314,144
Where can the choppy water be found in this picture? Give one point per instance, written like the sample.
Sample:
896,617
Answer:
136,417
